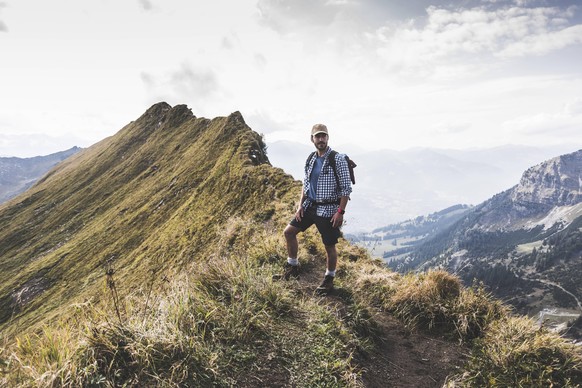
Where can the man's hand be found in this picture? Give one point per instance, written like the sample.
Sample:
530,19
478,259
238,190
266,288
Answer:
299,214
337,220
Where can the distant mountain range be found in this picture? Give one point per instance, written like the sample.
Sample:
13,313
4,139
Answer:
18,174
394,186
389,241
525,243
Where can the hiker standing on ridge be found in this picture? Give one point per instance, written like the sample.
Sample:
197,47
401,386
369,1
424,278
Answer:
324,197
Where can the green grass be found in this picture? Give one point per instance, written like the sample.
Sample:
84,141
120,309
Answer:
514,352
434,300
224,322
507,350
219,326
164,187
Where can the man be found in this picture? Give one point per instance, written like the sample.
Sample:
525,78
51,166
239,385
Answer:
323,202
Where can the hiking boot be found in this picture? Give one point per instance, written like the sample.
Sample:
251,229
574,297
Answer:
289,272
326,286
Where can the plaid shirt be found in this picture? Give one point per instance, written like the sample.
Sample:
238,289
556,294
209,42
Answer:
327,190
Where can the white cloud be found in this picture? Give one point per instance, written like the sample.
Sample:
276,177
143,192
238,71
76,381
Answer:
290,16
470,38
260,60
188,83
197,83
91,67
551,127
30,145
540,44
3,26
573,108
262,122
145,4
451,128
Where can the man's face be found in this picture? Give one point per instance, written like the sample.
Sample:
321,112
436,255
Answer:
320,141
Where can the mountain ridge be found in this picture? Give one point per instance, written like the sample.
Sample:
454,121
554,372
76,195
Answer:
552,182
524,242
89,215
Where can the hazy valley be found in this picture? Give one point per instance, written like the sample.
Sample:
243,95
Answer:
394,186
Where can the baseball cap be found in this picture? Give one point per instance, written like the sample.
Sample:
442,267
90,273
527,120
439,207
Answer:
318,128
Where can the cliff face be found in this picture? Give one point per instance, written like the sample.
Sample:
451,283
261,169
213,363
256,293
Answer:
549,193
556,182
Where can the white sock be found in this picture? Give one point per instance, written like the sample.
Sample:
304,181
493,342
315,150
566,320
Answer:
330,273
293,262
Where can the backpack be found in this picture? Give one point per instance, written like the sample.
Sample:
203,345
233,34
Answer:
331,159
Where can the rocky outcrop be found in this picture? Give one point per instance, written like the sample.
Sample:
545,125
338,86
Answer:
556,182
553,184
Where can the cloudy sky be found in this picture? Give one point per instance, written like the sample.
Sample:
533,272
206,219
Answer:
380,73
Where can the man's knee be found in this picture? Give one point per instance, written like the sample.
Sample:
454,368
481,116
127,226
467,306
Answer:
330,247
291,231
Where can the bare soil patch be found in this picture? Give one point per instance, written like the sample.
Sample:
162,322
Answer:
404,358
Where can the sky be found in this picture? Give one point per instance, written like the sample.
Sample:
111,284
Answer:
381,74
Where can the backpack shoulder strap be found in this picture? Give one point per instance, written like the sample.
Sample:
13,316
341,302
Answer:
331,158
309,159
307,162
331,161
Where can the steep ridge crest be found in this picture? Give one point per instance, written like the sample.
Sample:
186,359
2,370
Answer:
154,195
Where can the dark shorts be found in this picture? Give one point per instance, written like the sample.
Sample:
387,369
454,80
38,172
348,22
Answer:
329,234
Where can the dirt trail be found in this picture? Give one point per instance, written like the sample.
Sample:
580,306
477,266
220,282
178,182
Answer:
549,283
401,358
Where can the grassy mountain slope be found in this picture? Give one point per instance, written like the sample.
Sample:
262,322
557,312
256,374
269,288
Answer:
153,196
147,260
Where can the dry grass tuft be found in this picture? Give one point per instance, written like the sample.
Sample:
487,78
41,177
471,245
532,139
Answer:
514,352
433,300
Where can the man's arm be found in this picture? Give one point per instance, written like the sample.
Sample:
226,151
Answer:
299,212
338,219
